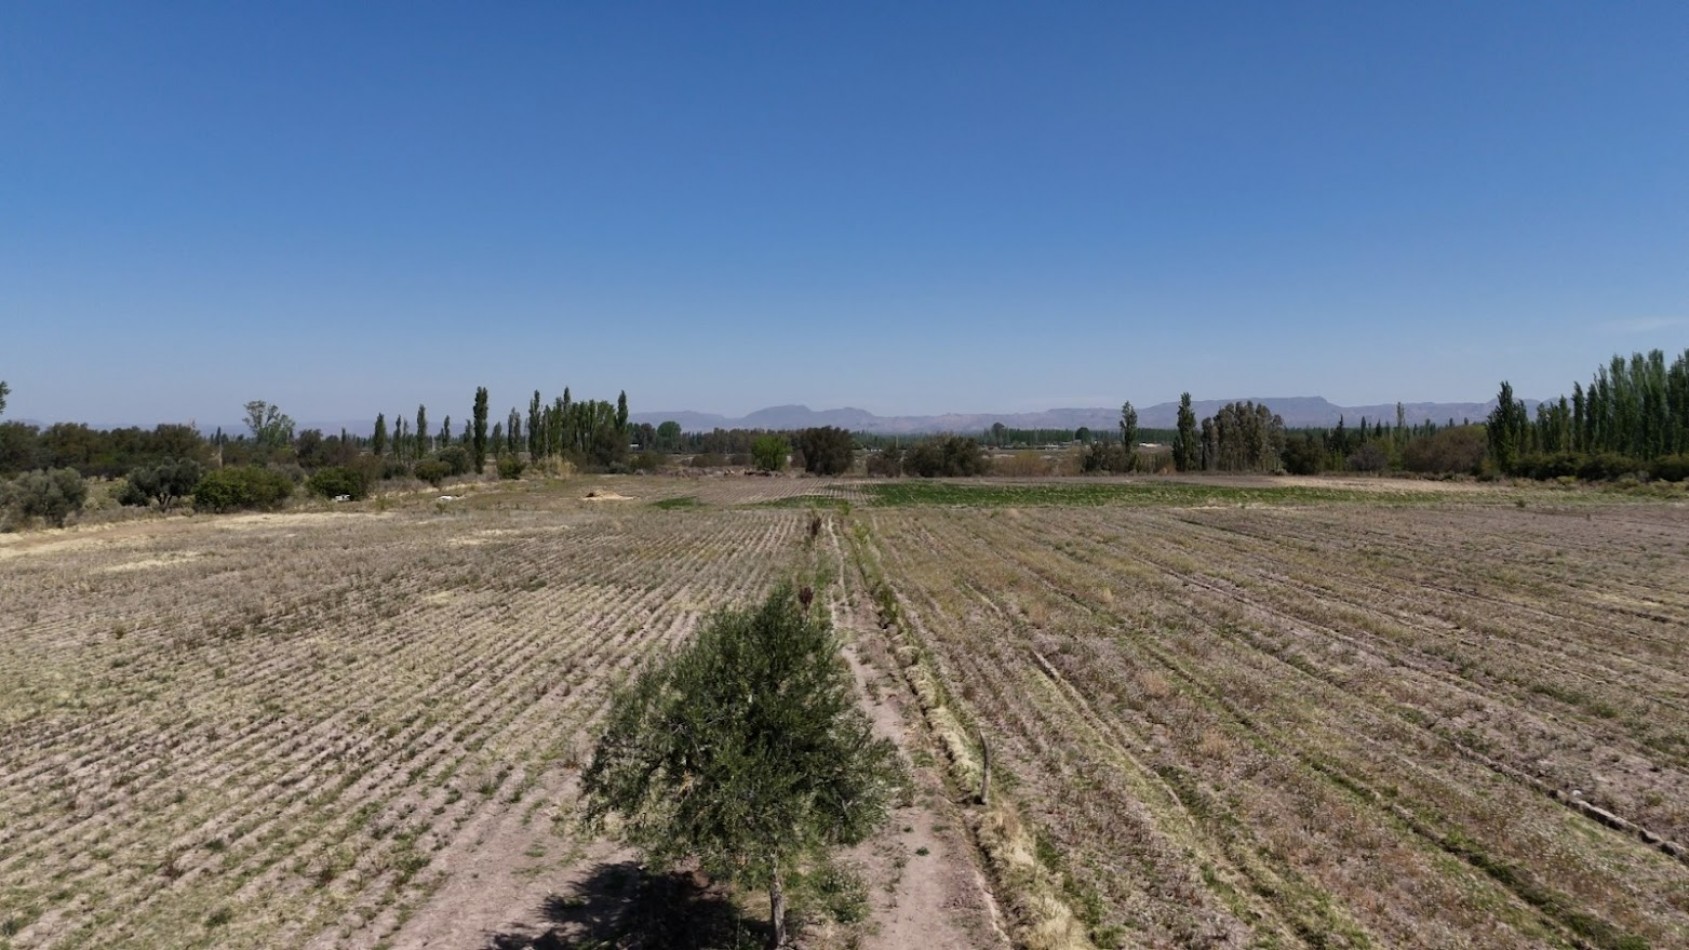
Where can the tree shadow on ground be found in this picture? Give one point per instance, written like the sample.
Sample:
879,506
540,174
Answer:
624,905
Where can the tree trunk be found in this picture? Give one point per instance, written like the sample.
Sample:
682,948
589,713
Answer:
776,912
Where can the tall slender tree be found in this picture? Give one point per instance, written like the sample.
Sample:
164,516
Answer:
378,442
480,443
421,431
536,429
1186,451
1129,434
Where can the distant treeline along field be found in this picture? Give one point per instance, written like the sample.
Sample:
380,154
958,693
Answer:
1630,421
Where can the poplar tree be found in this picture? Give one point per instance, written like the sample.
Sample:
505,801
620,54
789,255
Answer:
535,432
421,431
480,443
378,442
1185,447
1129,434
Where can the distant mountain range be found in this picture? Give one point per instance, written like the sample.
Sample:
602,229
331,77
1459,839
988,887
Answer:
1297,411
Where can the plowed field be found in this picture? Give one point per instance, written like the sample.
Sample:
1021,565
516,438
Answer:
1293,715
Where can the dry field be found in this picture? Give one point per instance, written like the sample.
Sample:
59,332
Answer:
1322,716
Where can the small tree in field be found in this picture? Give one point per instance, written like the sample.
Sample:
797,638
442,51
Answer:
769,452
747,750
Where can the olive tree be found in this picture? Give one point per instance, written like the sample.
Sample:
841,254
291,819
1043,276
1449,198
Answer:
49,494
164,483
745,750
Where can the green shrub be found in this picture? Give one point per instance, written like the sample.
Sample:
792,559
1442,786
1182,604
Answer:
769,452
165,483
49,494
948,456
510,467
336,481
1609,465
456,459
1671,468
242,487
646,461
432,471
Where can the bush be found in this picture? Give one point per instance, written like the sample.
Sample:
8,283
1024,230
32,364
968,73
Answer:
886,463
456,459
336,481
164,483
950,456
1460,450
1370,457
827,450
1671,468
242,487
1105,457
1609,465
393,468
510,466
1605,466
769,452
708,460
432,471
50,494
646,461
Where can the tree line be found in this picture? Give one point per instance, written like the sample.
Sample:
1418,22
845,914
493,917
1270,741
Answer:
1633,417
262,467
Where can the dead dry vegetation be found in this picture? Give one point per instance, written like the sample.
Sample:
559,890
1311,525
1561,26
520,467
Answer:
1460,723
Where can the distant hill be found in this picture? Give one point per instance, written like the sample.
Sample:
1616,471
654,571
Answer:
1297,411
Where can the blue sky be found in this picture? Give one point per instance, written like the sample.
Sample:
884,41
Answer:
905,207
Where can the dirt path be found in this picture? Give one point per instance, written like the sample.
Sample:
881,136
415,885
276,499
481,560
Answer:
927,888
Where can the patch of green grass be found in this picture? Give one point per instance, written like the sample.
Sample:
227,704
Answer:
1079,493
677,503
806,501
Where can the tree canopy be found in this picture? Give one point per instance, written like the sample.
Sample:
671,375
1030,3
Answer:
745,750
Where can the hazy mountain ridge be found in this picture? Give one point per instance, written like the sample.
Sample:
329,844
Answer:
1297,411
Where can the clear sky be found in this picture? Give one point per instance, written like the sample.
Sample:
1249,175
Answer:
904,207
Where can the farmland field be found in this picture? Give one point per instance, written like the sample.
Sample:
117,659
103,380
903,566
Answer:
1220,714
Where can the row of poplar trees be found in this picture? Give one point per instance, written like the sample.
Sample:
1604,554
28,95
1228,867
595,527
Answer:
1240,437
1636,408
593,430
